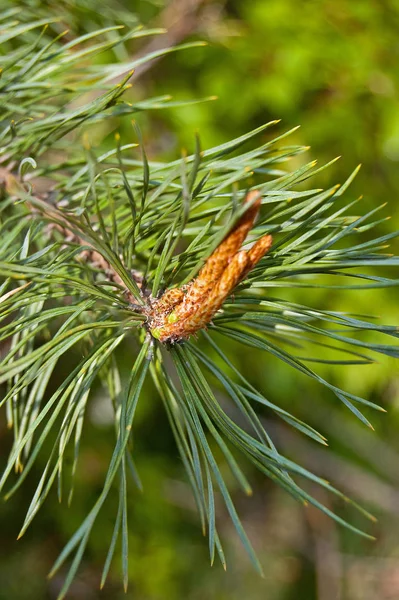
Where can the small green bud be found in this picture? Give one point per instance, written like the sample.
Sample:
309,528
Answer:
172,318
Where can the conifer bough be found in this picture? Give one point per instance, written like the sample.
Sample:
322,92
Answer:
84,262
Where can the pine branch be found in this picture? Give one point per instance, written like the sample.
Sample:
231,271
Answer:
122,247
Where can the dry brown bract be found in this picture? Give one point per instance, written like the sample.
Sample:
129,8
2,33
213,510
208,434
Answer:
181,312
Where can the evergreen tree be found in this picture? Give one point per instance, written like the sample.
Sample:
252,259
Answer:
104,249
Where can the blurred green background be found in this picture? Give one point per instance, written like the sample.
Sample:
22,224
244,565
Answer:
331,67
